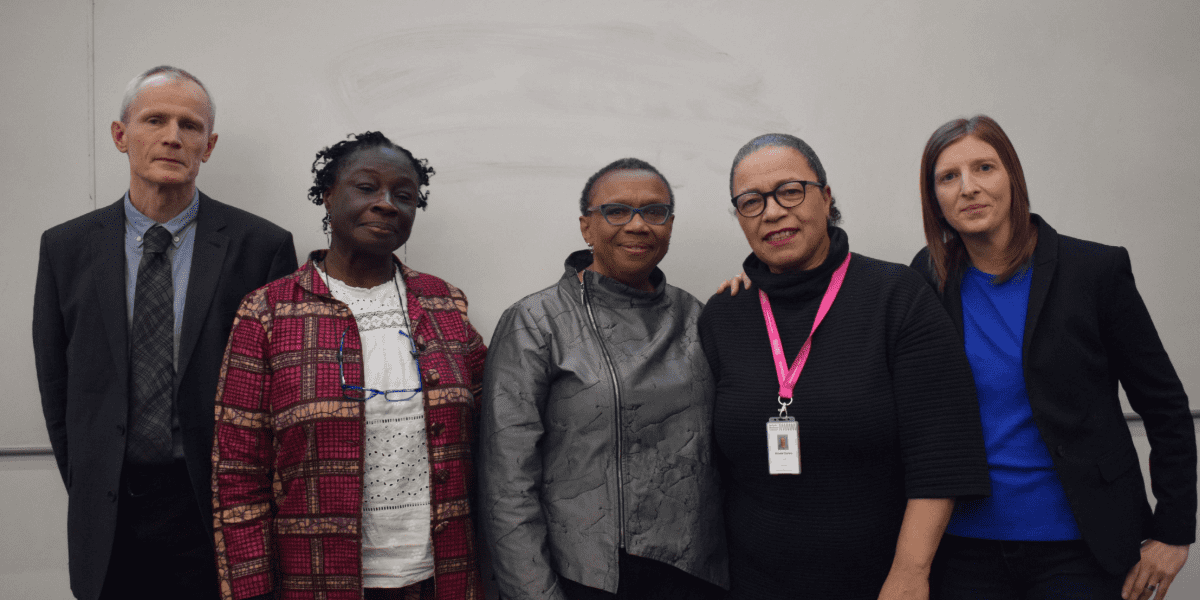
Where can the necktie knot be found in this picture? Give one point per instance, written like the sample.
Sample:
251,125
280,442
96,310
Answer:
156,239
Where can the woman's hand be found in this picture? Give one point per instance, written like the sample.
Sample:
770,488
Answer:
924,522
905,585
1159,565
740,281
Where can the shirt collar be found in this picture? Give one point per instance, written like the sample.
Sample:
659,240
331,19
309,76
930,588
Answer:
140,223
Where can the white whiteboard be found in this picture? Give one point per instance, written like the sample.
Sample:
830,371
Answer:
515,104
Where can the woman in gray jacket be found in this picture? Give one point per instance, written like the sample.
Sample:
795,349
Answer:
596,470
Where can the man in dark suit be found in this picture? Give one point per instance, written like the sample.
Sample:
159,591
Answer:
132,311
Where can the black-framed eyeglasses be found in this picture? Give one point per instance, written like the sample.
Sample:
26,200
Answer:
789,194
353,392
620,214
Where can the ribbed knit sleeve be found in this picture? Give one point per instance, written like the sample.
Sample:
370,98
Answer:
941,440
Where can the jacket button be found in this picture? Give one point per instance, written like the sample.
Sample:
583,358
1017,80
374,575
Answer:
440,527
441,476
432,377
436,429
420,346
112,496
120,430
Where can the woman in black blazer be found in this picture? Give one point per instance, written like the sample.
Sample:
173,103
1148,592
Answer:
1051,324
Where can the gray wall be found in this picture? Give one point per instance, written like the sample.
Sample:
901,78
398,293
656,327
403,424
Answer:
517,103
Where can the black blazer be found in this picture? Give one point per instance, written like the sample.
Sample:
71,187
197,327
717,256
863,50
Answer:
80,343
1086,329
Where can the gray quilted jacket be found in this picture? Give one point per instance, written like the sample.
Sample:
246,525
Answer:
596,434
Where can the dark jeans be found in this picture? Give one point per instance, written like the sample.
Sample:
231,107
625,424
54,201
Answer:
974,569
162,549
642,578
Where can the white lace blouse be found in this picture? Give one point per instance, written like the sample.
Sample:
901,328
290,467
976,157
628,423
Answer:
397,548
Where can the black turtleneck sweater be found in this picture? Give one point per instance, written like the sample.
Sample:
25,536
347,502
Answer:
886,411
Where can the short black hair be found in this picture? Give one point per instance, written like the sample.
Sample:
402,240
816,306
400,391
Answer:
785,140
328,165
623,164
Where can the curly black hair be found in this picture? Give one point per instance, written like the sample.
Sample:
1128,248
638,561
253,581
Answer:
621,164
328,165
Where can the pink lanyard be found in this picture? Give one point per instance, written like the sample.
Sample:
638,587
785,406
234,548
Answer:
787,378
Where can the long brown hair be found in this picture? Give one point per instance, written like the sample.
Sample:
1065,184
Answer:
946,249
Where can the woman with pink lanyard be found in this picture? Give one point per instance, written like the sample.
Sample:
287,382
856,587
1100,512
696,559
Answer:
854,373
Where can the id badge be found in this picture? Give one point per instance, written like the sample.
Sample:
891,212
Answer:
783,446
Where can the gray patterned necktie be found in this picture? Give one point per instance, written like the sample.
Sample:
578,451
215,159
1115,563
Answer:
152,364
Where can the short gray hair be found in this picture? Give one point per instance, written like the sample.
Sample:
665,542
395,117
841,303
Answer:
138,83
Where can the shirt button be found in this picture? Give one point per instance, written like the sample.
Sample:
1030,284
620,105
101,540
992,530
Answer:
432,377
441,475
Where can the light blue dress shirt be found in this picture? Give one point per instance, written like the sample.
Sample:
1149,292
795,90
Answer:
183,239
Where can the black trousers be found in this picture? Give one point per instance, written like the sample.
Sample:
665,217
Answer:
421,590
641,579
162,549
974,569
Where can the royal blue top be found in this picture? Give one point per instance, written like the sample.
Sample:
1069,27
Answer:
1027,501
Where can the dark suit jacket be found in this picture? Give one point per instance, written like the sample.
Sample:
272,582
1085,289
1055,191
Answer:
1086,329
80,343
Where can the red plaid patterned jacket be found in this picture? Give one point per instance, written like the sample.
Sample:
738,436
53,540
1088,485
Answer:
288,449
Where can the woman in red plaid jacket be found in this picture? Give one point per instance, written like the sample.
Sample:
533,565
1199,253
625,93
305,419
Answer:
346,408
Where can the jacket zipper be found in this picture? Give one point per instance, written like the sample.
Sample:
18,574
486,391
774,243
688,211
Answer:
612,372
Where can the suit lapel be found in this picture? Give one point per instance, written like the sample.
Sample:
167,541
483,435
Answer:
108,243
208,257
1045,260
